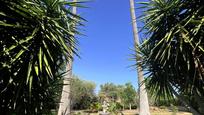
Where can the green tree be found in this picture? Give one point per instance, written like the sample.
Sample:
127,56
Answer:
82,93
109,91
128,96
173,54
118,95
37,37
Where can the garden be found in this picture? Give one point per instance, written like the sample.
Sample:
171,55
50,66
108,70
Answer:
39,46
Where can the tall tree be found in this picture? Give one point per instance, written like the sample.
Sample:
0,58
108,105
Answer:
34,34
65,102
143,99
173,54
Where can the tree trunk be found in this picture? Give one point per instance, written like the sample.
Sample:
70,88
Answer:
130,107
143,105
65,102
65,105
123,107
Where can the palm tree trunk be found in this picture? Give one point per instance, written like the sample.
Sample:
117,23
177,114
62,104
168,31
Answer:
65,105
143,105
65,102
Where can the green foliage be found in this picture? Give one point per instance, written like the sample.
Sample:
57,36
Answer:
119,96
96,106
109,90
162,102
118,106
128,94
82,93
173,54
113,108
37,37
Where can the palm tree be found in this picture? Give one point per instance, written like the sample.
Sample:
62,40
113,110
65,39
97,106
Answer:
37,37
143,103
173,54
65,102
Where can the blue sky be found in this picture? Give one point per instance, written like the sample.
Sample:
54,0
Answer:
106,48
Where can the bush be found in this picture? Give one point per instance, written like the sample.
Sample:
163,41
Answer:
115,108
118,106
94,107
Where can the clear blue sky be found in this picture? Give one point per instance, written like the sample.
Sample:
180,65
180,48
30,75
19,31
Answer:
106,48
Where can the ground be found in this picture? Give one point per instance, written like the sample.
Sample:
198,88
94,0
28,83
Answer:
154,111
